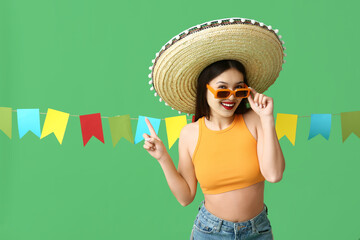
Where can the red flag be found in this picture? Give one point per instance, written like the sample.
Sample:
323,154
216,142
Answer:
91,126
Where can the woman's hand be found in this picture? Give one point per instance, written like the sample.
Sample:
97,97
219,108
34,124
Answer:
153,144
261,104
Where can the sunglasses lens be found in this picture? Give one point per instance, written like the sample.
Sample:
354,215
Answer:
241,94
223,94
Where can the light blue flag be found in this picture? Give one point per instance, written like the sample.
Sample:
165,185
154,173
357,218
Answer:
143,128
28,120
320,124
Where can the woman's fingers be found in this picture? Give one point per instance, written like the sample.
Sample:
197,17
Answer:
149,144
258,99
261,96
251,100
148,138
149,148
263,102
152,131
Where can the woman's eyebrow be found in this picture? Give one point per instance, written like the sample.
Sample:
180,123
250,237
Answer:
226,82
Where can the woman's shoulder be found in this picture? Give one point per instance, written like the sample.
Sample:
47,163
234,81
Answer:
252,121
190,127
250,114
190,130
189,135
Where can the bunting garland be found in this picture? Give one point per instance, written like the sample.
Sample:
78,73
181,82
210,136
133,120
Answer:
120,126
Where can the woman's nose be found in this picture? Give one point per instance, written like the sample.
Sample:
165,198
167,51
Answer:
232,97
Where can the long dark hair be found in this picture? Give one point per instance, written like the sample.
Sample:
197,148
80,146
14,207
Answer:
210,72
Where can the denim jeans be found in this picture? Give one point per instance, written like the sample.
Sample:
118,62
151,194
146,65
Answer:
208,226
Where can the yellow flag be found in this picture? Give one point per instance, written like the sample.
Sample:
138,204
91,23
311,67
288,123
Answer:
173,128
55,122
286,125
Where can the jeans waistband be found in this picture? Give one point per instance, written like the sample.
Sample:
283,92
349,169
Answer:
248,223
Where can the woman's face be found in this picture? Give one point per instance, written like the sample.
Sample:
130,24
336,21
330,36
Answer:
230,79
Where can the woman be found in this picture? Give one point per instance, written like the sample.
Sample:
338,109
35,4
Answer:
230,149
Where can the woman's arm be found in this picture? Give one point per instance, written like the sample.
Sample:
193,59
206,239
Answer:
182,182
271,158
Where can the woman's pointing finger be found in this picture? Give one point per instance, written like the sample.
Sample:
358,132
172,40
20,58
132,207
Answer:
152,131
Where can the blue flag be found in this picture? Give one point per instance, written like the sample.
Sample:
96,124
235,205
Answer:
28,120
143,128
320,124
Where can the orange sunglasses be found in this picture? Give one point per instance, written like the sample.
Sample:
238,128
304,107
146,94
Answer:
226,93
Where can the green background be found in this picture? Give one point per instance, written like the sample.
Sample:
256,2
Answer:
84,57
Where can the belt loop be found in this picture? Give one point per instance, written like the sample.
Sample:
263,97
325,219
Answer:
218,227
201,204
266,209
253,227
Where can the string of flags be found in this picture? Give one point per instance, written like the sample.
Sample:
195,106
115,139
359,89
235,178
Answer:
120,126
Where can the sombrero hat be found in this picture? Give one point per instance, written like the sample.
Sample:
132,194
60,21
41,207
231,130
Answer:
180,61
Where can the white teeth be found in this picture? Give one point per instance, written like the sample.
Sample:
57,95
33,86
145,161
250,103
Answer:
228,105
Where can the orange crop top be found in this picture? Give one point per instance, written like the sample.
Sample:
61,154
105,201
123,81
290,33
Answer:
226,160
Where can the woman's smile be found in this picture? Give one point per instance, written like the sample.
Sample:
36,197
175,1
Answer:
228,105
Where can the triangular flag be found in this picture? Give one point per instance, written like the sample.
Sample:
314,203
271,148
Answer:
143,128
286,125
91,126
320,124
6,120
55,122
173,128
350,123
120,126
28,120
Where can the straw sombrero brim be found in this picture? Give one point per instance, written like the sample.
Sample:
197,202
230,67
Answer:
178,65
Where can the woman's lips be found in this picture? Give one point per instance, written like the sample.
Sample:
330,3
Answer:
228,107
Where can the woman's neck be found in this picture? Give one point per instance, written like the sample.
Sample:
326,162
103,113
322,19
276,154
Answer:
217,122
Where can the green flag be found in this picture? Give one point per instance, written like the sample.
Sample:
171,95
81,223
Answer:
6,120
120,126
350,122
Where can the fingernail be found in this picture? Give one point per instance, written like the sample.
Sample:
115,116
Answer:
256,104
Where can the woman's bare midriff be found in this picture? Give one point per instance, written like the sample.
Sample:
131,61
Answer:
238,205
